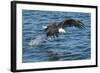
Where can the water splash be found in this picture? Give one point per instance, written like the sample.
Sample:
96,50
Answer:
35,41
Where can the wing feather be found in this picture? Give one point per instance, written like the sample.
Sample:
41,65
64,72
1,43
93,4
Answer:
70,23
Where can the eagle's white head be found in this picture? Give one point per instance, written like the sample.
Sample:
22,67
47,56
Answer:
62,30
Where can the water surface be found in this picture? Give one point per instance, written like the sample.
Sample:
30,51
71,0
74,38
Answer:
72,45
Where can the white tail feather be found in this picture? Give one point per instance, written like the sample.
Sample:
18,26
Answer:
44,27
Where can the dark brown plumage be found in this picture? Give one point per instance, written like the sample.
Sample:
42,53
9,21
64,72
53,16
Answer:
70,23
53,28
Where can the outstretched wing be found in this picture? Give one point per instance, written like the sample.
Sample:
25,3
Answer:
71,23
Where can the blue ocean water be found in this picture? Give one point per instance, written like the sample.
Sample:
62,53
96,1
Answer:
75,44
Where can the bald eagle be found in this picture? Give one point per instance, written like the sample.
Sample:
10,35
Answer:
53,29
